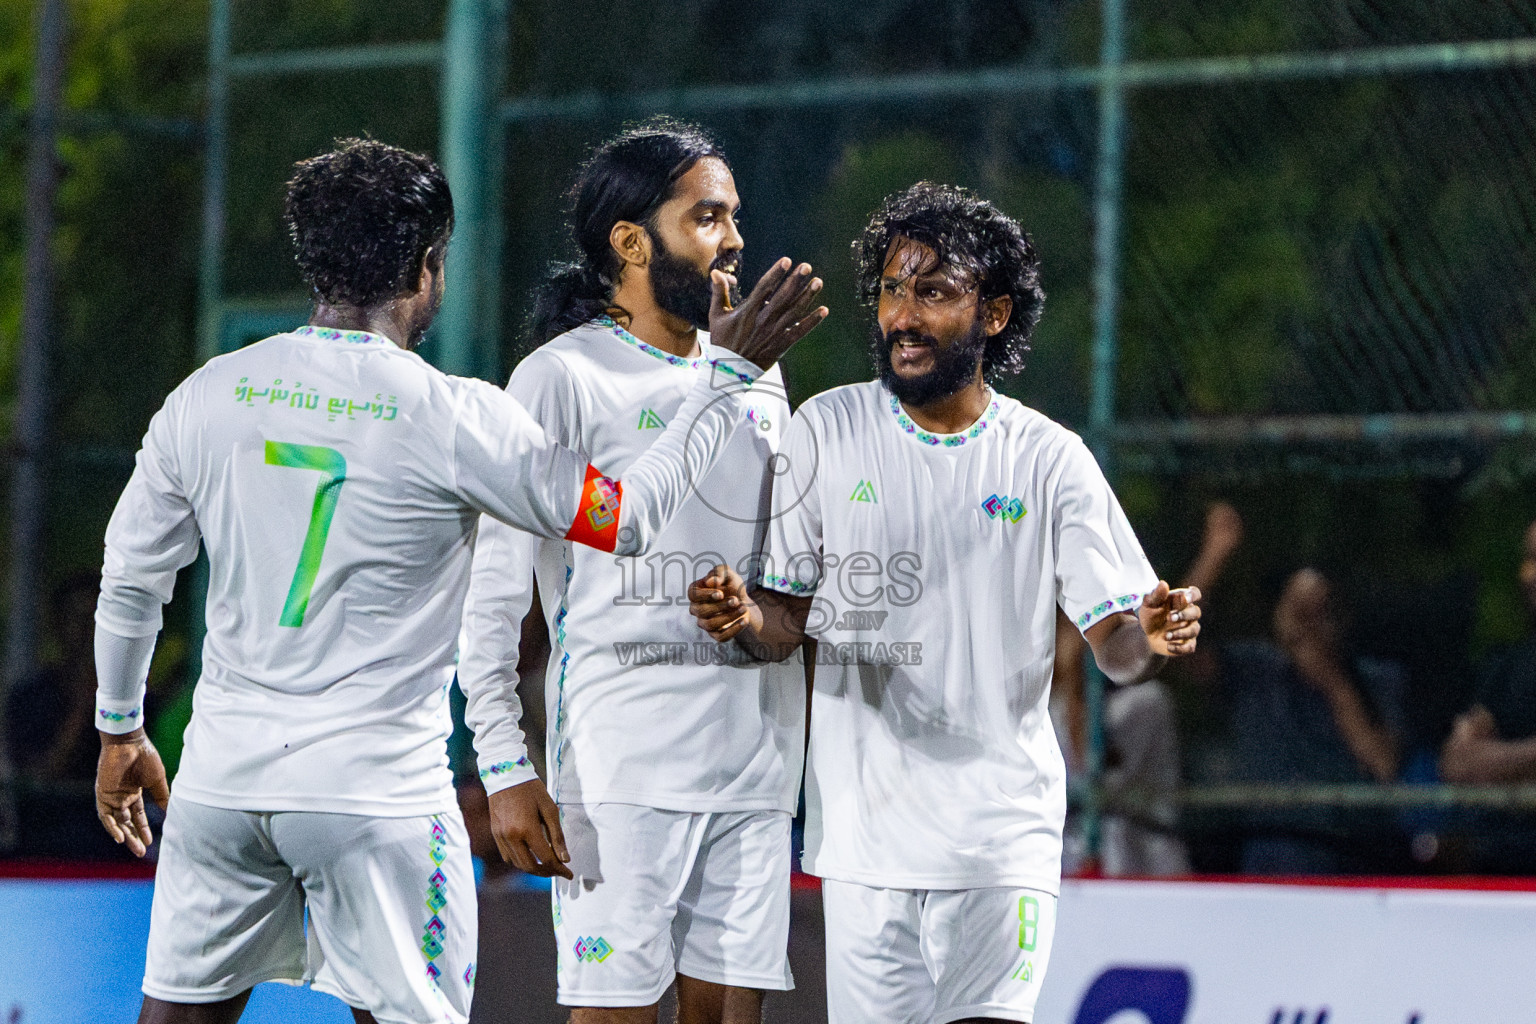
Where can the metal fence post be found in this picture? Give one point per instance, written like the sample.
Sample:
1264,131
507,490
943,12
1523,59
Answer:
471,86
29,483
210,280
1107,200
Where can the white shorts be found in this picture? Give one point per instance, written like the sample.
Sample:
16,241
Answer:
391,902
660,893
915,956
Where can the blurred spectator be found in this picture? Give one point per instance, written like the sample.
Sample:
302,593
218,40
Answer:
1494,741
1141,766
51,732
1302,709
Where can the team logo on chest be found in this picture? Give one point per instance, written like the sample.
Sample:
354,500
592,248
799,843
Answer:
757,416
865,492
650,421
1010,510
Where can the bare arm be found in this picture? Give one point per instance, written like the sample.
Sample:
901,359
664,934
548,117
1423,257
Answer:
1223,535
1371,744
768,624
1474,753
1133,648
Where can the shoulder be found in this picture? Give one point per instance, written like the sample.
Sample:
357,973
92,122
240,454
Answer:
1037,430
844,405
565,360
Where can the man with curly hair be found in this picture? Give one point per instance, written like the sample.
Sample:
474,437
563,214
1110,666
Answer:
336,480
926,529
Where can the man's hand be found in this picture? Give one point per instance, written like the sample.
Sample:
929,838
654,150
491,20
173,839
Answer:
526,824
769,321
129,764
721,604
1171,619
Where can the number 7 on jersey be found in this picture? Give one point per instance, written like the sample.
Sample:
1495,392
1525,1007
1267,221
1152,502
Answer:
330,462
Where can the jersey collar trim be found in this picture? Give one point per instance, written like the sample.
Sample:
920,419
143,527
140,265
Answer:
607,323
350,337
944,440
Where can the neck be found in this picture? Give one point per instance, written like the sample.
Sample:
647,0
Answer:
649,322
384,320
953,412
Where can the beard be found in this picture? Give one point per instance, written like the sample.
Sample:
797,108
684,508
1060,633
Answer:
953,367
418,330
681,290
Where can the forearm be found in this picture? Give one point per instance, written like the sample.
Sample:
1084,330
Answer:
657,484
775,624
1206,570
1491,761
122,668
1372,746
500,594
1121,650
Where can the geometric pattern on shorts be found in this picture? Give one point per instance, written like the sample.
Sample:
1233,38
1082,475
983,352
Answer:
593,950
437,899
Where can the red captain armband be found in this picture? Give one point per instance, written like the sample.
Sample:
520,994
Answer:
597,515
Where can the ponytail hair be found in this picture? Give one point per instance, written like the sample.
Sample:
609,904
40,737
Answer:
626,178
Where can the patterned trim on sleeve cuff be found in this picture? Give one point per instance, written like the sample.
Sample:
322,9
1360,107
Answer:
118,722
504,768
1098,611
785,585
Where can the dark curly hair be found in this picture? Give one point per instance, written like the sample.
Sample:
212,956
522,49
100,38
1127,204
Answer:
363,219
970,234
626,178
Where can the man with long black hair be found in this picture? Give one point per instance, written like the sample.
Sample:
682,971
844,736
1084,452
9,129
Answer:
926,529
676,775
335,479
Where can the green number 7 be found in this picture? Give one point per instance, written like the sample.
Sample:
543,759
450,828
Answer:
330,462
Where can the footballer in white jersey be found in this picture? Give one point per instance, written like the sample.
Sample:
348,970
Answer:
676,774
925,533
336,481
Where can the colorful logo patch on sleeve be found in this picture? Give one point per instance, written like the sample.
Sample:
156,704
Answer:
1011,510
593,950
597,515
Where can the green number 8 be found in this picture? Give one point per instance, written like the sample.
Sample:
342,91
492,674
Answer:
1029,922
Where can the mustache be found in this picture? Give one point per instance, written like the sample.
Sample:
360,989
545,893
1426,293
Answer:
910,338
729,263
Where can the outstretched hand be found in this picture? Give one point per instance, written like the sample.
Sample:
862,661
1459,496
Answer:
129,765
770,320
526,825
1171,619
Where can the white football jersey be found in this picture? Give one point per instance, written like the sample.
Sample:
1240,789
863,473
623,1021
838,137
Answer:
640,708
337,482
937,563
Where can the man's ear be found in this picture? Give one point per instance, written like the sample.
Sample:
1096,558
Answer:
995,314
631,242
431,267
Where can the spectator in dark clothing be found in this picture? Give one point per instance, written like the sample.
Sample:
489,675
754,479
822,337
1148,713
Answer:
52,739
1494,741
1302,710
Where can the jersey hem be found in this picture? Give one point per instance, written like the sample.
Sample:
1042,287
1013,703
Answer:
215,993
875,880
277,803
675,802
985,1011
